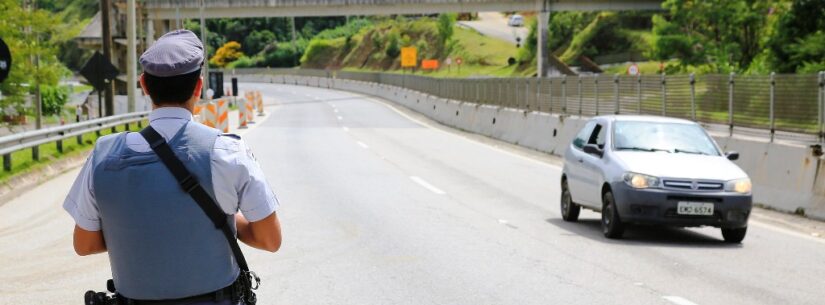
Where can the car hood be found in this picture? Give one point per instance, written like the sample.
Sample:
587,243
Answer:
679,165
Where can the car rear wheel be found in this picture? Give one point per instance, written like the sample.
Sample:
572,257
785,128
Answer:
569,210
734,236
612,225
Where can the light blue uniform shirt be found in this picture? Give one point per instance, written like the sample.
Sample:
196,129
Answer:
237,179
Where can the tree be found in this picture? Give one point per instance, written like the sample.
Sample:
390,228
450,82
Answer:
446,22
228,53
797,43
43,41
723,34
256,41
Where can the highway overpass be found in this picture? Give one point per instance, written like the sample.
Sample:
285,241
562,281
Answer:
172,9
167,10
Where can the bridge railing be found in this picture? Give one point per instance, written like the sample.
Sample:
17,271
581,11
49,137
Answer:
776,105
33,139
293,3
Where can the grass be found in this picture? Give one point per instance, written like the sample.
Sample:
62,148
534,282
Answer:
23,162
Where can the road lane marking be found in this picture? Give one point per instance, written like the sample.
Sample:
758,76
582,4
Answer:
340,118
335,110
427,185
346,129
678,300
363,145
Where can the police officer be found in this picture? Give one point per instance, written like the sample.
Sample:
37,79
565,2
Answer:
162,247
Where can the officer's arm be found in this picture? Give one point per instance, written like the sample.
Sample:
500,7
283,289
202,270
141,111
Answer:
264,234
88,242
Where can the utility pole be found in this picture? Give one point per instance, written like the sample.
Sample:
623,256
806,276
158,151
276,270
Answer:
131,56
105,6
35,60
294,46
205,54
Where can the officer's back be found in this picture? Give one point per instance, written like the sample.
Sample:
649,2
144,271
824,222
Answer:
161,244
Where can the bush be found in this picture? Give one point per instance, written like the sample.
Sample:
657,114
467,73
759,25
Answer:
318,48
243,62
54,98
228,53
393,49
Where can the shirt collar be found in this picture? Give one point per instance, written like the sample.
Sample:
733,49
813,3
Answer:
170,113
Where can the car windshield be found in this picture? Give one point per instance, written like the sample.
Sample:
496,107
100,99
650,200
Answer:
662,137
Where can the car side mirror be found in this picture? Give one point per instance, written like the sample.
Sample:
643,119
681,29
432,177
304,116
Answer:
593,149
732,155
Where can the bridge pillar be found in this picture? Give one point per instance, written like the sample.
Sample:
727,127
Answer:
543,54
150,32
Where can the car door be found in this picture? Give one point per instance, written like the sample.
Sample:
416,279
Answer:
591,166
573,163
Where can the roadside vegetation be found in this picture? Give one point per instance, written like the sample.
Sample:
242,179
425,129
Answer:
23,162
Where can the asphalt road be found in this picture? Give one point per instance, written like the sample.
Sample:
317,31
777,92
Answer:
380,207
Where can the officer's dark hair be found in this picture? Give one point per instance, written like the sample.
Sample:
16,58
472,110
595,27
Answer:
175,90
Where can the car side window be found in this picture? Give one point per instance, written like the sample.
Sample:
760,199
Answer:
583,135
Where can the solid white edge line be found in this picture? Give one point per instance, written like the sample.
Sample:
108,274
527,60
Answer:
427,185
678,300
363,145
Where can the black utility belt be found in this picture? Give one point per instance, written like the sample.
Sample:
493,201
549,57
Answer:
232,292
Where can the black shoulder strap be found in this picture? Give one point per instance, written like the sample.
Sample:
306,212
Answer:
191,186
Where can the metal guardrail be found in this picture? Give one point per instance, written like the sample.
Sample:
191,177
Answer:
33,139
790,106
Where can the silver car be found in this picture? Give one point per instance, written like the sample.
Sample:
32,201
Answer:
654,170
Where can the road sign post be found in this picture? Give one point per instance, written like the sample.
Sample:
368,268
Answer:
100,73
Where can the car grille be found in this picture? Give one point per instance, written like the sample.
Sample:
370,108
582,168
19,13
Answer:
693,185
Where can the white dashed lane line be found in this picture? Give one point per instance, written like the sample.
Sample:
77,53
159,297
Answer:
363,145
678,300
346,129
340,118
427,185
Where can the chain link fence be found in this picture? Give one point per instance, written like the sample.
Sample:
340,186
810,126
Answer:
790,105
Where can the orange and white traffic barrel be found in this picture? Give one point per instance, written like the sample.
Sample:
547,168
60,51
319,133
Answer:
222,115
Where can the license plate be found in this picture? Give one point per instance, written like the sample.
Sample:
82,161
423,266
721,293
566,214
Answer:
694,208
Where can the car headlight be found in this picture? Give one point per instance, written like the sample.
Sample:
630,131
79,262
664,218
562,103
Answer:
640,181
741,186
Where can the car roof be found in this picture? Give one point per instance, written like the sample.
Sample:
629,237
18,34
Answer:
643,118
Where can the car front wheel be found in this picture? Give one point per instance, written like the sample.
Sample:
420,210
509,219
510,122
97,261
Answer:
569,210
611,224
734,236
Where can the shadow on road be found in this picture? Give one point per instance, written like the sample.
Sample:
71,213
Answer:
635,235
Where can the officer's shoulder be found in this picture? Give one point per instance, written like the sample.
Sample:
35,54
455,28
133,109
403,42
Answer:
107,139
230,136
228,141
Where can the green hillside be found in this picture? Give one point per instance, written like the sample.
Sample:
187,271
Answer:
375,46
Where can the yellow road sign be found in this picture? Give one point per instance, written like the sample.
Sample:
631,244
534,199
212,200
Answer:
409,57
